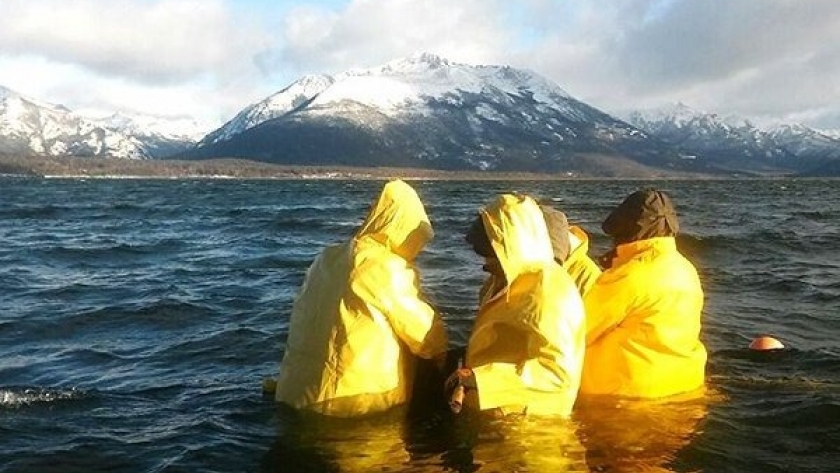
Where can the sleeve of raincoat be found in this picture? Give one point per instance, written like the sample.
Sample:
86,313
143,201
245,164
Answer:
394,287
607,303
502,384
552,362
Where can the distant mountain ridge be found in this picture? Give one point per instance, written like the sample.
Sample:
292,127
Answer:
425,111
736,143
30,126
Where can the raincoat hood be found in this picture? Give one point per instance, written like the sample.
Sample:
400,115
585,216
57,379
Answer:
517,232
398,220
644,214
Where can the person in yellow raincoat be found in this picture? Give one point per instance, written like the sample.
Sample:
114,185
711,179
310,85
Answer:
643,313
360,317
571,247
525,350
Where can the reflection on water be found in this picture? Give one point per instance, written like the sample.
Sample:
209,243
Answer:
639,436
310,442
603,435
630,437
396,442
521,443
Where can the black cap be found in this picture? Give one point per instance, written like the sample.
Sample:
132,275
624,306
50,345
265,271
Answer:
647,213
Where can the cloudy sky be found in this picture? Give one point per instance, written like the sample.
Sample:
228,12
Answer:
769,60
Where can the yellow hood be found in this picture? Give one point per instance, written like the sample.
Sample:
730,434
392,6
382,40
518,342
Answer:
398,220
516,229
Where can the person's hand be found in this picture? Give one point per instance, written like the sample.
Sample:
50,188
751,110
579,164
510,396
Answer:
456,386
461,377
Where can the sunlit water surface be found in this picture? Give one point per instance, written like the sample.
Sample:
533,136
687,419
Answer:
138,318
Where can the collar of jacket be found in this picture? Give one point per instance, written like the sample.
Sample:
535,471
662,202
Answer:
579,242
628,251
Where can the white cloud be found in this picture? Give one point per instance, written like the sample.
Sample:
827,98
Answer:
98,95
146,41
758,58
370,32
767,58
160,57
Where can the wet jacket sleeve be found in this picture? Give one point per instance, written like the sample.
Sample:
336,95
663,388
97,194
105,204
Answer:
394,288
549,364
502,384
606,304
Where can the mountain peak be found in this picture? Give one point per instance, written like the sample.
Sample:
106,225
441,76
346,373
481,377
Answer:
30,126
425,58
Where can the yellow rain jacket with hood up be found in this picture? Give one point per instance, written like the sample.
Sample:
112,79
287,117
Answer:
527,343
643,313
360,317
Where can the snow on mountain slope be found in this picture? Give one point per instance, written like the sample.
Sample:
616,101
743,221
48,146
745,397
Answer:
277,105
417,79
803,142
160,136
183,128
29,126
831,133
427,111
401,87
727,138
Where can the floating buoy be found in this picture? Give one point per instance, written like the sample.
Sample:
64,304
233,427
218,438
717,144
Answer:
765,343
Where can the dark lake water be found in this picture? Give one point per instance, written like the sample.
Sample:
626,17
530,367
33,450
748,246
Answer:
139,317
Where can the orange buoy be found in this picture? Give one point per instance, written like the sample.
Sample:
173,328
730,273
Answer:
765,343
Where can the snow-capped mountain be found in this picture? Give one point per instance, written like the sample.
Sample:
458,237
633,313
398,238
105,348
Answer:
736,142
426,111
831,133
292,97
31,126
160,136
805,143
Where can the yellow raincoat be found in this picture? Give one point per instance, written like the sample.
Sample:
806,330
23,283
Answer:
360,317
579,265
527,343
643,324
